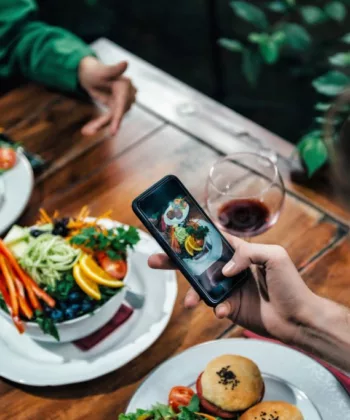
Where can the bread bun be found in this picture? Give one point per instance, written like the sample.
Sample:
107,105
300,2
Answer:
273,410
232,383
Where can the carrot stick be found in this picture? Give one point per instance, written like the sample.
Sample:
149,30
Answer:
16,320
31,286
5,294
19,324
23,304
10,286
23,277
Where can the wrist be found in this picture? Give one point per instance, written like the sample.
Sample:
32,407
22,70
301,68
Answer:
84,69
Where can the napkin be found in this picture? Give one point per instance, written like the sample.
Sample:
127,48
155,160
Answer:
121,316
342,377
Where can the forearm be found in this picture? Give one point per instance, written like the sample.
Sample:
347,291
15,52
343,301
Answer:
324,330
40,52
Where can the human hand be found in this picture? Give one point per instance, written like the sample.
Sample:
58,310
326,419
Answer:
272,302
106,84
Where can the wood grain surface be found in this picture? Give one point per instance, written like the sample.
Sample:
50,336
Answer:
107,173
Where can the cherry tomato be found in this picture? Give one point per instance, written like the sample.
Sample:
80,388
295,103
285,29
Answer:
180,396
7,158
115,268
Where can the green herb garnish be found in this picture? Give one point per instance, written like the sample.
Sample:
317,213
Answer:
47,325
199,232
115,241
63,287
3,305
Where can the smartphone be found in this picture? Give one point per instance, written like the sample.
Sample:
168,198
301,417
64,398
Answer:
188,236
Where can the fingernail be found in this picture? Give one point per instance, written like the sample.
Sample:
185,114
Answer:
228,268
221,311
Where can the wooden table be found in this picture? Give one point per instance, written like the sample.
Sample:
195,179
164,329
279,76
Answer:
172,129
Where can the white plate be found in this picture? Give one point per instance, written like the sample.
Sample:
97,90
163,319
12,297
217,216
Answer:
17,186
289,376
25,361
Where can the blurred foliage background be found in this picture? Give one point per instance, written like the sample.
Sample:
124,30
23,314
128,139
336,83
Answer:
205,42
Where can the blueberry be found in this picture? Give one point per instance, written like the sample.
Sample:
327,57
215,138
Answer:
74,297
86,306
37,232
63,305
75,307
69,313
56,315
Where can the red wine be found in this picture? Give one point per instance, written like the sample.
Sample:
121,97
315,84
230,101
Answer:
244,216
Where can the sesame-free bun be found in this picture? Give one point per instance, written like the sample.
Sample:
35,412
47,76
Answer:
273,410
232,383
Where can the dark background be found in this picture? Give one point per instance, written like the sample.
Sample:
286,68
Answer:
180,38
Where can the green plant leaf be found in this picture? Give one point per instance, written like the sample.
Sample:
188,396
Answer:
312,14
313,151
230,44
336,10
269,51
346,38
258,38
340,59
331,83
277,6
250,13
297,37
320,106
291,3
251,66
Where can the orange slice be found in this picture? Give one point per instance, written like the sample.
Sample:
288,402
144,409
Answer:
86,285
188,247
94,272
193,245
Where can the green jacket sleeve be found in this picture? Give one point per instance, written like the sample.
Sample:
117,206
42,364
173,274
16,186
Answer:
42,53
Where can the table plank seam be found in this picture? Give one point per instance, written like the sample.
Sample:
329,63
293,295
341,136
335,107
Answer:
106,162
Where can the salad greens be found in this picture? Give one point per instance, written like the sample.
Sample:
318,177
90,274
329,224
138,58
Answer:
46,324
199,232
47,257
164,412
114,241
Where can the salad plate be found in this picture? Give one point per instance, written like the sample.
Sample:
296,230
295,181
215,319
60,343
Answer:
16,186
288,375
28,361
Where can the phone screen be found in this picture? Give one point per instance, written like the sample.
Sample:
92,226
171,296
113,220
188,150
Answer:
190,234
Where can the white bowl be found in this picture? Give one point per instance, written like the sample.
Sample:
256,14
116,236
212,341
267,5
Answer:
82,326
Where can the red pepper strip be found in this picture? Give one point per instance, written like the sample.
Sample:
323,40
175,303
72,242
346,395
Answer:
5,294
16,319
23,304
10,286
23,277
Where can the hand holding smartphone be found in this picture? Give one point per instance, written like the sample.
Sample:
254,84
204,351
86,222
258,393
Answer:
189,238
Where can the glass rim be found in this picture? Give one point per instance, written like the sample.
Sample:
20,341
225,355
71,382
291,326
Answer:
250,154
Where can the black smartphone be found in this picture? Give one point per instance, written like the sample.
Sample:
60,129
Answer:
188,236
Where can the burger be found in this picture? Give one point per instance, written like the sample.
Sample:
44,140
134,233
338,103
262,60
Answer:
229,385
273,410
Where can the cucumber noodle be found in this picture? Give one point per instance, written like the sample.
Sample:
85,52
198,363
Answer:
48,257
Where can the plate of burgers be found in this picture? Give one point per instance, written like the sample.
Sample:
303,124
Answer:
239,379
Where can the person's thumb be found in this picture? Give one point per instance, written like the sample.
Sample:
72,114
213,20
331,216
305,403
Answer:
115,70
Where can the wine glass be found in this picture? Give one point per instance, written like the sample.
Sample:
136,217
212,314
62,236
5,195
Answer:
245,194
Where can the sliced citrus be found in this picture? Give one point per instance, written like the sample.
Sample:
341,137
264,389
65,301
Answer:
192,243
94,272
86,285
188,247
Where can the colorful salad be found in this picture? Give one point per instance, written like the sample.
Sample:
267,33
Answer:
61,268
8,156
